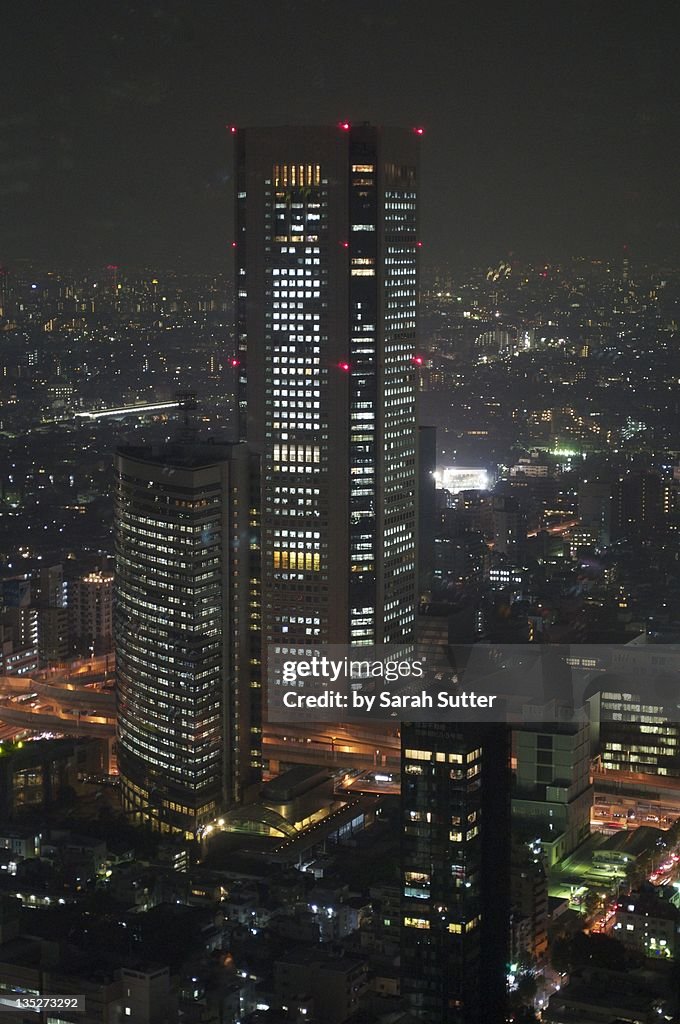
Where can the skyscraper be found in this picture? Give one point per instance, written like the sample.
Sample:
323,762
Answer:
455,859
326,263
186,631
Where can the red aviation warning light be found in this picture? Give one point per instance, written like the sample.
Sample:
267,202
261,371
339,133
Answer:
344,366
419,131
419,245
345,245
232,128
417,360
234,361
345,125
233,245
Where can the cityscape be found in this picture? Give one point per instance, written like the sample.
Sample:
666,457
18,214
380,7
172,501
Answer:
338,415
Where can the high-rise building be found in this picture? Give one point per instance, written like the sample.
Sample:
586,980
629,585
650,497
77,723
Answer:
529,896
638,505
18,627
326,263
637,731
51,600
596,506
455,864
91,610
52,587
509,526
186,631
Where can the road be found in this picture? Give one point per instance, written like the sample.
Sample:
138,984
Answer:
358,747
76,700
81,702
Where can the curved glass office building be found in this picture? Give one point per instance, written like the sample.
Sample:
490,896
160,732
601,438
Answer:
186,631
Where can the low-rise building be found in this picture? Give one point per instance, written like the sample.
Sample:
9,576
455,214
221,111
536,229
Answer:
646,922
624,848
334,985
605,997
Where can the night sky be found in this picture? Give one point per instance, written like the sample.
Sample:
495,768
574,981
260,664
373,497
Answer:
552,128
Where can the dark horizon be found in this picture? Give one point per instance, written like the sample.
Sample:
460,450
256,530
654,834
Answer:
549,129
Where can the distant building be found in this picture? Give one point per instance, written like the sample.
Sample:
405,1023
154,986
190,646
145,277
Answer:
18,627
648,923
637,729
476,508
605,997
23,843
596,507
52,587
509,527
637,505
529,897
582,538
621,850
460,555
532,466
496,342
34,621
144,994
329,987
54,646
33,774
19,654
508,575
91,613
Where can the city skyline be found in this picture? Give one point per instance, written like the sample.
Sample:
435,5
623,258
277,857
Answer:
552,519
549,128
330,382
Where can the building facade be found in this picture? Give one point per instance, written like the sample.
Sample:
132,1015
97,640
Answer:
455,865
91,610
649,924
553,794
326,266
186,631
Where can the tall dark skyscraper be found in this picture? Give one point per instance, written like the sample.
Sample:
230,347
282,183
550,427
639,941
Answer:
455,860
326,264
186,631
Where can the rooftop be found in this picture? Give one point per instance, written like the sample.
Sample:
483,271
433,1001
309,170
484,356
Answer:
192,455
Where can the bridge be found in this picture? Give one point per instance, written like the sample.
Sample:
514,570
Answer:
127,410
